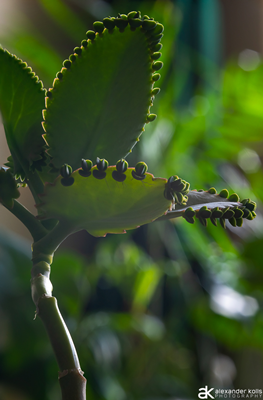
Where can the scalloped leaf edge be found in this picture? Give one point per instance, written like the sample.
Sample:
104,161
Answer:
154,33
204,205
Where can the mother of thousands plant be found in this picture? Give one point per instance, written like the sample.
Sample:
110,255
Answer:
98,106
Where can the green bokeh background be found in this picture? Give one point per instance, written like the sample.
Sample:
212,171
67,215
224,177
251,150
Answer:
168,308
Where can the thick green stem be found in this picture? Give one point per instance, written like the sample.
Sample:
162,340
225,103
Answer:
72,382
29,220
35,185
44,248
73,386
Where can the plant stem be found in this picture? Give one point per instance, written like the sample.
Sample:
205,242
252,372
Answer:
72,382
35,184
50,242
71,379
29,220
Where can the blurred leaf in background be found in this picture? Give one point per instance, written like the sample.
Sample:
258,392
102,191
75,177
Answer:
170,307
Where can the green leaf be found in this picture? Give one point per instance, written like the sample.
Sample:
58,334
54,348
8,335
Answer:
197,200
8,188
21,103
101,204
204,205
99,105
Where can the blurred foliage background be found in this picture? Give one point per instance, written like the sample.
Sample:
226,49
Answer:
170,307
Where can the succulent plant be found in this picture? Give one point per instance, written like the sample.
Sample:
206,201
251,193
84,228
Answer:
98,107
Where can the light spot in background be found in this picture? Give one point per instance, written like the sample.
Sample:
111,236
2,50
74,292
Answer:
233,176
226,301
150,326
223,370
248,60
106,348
10,16
225,266
199,106
249,160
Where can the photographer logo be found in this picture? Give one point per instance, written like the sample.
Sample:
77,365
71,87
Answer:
204,393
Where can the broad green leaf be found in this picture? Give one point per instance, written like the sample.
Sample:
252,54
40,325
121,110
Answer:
100,102
105,205
108,201
22,99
